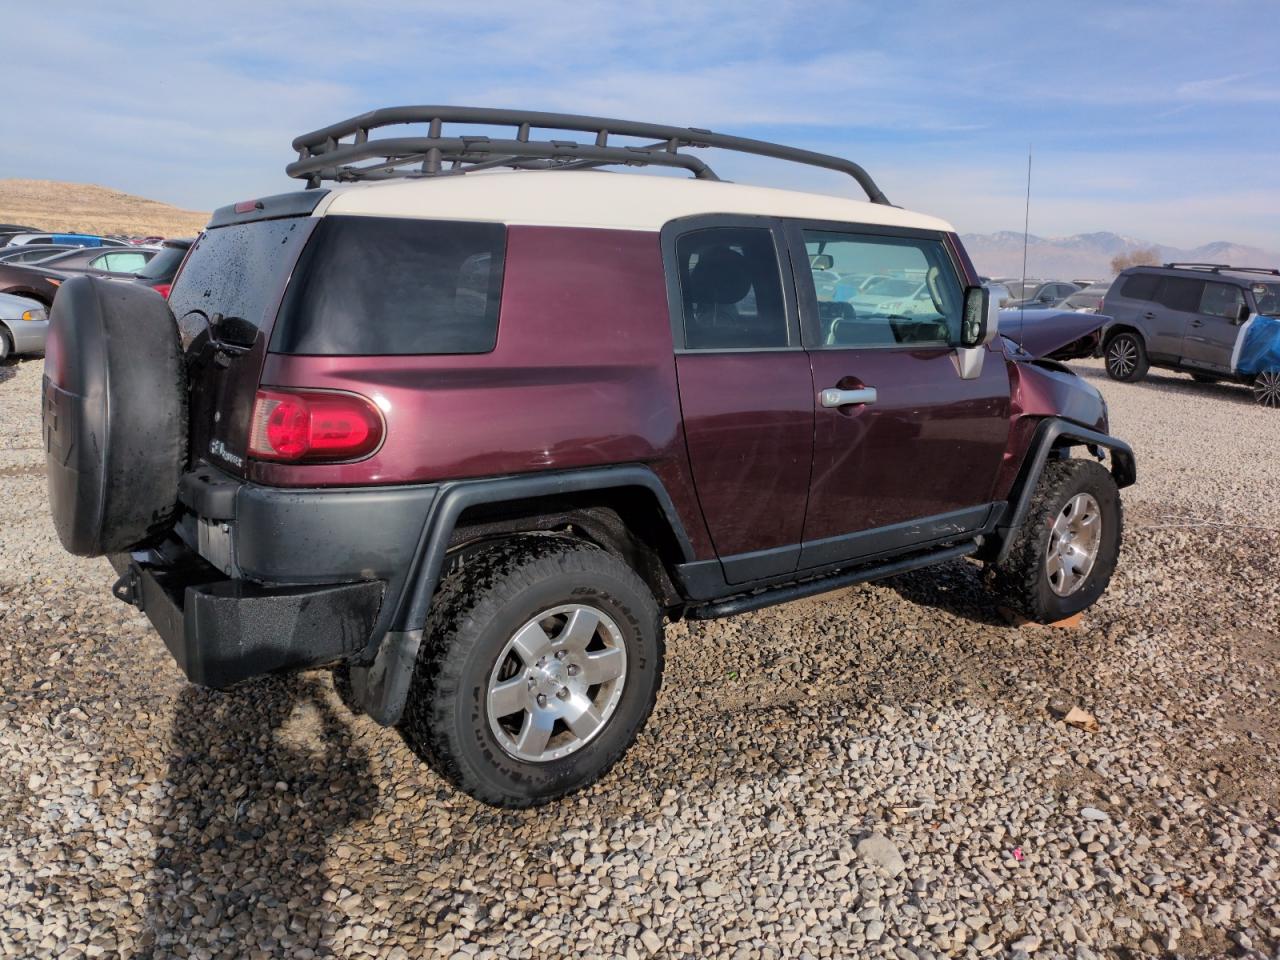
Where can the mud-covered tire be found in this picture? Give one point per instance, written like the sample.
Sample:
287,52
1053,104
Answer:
1125,357
1022,581
115,415
478,608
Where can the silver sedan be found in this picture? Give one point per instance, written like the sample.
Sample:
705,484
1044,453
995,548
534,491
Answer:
23,325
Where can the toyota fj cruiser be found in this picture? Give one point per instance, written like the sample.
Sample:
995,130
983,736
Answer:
470,434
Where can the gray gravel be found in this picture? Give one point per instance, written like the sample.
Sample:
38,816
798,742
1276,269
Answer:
875,773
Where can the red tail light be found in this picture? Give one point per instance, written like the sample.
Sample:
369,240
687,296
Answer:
313,425
163,289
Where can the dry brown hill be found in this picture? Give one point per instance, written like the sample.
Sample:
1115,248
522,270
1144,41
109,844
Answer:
83,207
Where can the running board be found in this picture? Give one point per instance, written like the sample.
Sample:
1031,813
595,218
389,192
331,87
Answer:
836,581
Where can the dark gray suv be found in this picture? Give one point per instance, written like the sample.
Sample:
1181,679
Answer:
1212,321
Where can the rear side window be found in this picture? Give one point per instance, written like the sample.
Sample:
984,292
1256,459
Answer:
731,288
1179,293
376,286
1140,286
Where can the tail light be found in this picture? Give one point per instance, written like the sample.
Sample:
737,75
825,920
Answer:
310,426
163,289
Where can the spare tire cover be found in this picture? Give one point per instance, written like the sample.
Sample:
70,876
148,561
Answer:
115,415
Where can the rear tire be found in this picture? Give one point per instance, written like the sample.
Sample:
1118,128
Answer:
1266,388
1126,357
521,639
1051,573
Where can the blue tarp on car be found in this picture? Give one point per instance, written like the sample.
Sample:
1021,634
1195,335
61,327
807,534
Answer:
1258,347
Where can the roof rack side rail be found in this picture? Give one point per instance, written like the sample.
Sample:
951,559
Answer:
1223,268
1191,265
322,154
1269,271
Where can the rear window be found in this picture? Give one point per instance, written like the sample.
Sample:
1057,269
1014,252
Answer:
381,286
163,264
239,270
1140,286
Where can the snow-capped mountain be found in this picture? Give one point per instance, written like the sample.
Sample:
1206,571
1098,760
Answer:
1088,255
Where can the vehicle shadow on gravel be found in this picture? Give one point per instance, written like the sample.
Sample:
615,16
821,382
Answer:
1220,390
259,779
8,369
955,588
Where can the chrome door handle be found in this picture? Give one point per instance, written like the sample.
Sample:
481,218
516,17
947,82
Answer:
832,397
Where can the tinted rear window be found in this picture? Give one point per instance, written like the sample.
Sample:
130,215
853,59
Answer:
239,271
1140,286
164,263
1179,293
379,286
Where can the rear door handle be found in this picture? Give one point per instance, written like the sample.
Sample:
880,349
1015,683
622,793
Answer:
1197,323
1149,315
833,397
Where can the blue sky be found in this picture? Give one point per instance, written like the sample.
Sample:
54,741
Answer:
1156,120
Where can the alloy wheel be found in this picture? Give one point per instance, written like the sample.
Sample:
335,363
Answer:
556,683
1073,544
1266,388
1122,357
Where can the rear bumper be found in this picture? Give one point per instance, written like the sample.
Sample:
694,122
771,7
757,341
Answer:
221,630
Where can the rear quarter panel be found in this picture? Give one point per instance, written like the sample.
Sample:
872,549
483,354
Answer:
583,374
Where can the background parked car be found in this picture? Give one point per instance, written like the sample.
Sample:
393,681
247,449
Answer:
112,261
29,281
1045,294
1088,299
24,323
33,253
163,267
66,239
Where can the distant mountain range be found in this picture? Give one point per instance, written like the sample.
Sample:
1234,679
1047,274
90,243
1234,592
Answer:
1088,255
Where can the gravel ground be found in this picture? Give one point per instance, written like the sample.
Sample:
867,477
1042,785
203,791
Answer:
876,772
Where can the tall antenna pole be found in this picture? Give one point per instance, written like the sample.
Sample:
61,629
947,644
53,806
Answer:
1026,233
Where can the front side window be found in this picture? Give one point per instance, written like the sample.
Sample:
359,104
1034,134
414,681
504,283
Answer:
887,292
1221,300
731,290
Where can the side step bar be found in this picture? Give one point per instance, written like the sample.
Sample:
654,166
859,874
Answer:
835,581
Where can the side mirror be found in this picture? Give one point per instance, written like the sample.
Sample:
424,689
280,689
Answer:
821,261
981,319
1242,313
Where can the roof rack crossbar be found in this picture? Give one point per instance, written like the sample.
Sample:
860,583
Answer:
1221,268
326,154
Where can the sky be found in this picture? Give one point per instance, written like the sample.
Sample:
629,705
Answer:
1159,121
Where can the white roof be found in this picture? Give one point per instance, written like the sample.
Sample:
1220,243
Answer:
582,198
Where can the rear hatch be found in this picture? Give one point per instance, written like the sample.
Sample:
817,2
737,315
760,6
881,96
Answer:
225,300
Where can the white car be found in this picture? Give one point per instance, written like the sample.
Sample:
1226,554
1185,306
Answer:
23,325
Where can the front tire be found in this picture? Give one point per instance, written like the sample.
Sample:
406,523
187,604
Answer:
1266,388
1066,550
1126,357
540,663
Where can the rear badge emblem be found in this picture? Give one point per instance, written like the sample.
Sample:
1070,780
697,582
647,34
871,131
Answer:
219,449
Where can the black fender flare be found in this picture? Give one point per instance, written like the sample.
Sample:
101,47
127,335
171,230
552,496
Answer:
1054,433
381,686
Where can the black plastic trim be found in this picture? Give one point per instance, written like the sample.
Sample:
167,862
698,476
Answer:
836,581
1048,437
383,685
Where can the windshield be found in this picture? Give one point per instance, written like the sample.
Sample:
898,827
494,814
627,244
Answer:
890,287
1268,297
164,264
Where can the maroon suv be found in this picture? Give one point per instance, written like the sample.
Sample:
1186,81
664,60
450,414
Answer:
470,424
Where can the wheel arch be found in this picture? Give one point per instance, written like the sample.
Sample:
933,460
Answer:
1054,437
623,509
1116,329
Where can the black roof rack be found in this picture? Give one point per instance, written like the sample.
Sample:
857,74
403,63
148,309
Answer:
322,154
1222,268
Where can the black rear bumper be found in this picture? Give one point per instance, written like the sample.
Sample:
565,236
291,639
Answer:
222,630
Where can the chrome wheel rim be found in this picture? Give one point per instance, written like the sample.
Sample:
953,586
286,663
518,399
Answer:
1073,544
556,683
1122,356
1266,389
